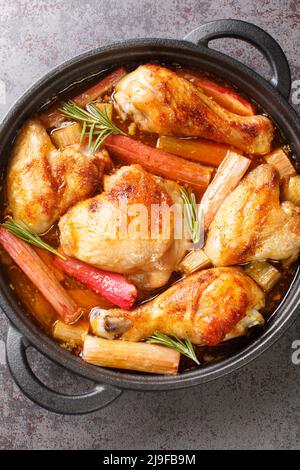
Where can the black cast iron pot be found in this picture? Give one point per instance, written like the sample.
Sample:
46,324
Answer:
193,51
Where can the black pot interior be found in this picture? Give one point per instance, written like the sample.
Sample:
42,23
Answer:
89,67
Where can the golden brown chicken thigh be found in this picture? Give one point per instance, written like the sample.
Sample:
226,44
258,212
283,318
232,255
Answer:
252,224
160,101
113,229
43,182
208,306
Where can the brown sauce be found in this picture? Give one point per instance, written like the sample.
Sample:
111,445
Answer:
43,314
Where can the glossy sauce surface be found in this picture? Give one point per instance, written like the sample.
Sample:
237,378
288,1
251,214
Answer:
40,310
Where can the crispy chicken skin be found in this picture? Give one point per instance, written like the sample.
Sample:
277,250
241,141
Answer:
206,306
160,101
95,230
43,182
252,224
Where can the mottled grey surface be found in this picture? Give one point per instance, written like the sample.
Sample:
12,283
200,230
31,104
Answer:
257,407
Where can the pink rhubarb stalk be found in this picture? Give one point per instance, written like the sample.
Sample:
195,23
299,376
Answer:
40,275
113,286
53,118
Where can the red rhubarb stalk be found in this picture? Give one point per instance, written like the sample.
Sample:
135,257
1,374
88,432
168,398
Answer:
222,94
105,85
40,275
159,162
52,117
114,287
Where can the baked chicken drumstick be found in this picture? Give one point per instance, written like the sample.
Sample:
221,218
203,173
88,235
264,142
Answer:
43,182
160,101
112,230
252,223
208,306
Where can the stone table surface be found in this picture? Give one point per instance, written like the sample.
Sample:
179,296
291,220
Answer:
256,407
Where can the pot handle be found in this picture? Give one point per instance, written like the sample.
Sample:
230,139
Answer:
248,32
36,391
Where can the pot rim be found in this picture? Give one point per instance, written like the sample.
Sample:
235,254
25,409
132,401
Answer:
287,120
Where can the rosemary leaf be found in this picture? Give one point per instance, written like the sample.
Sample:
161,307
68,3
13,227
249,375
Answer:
95,124
184,347
83,132
91,135
25,233
192,214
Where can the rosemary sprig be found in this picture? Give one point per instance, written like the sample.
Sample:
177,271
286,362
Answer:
25,233
95,124
192,214
185,346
